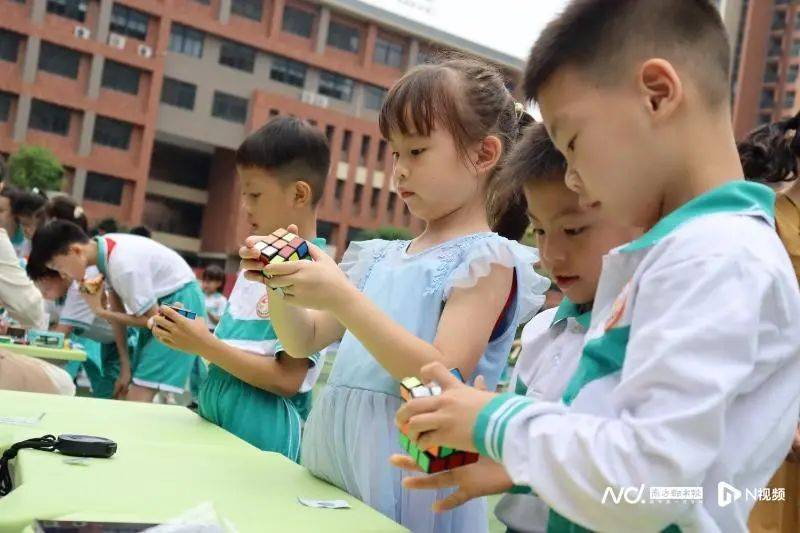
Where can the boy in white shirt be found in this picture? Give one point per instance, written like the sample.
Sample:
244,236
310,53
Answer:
143,275
572,240
689,371
213,283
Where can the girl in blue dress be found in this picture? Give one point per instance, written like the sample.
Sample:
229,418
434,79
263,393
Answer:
455,294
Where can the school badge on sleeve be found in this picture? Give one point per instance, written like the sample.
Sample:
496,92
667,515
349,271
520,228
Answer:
262,307
618,307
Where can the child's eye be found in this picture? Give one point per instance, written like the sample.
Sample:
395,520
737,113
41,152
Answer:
538,232
417,151
571,145
574,231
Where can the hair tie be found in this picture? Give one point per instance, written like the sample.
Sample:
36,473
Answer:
78,212
519,110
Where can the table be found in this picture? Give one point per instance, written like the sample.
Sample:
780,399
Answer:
168,461
45,353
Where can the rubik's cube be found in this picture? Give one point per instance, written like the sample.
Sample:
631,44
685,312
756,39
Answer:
91,286
282,246
438,458
191,315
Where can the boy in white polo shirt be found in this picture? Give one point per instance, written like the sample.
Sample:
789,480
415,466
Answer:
142,274
690,369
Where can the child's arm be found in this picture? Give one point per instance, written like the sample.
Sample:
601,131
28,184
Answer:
464,328
279,375
117,315
692,354
121,340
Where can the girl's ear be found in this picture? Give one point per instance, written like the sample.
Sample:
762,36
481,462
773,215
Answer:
488,153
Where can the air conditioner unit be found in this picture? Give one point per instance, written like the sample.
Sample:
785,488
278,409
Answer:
82,32
145,51
116,40
312,98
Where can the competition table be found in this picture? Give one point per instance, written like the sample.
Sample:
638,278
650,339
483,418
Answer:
45,353
168,461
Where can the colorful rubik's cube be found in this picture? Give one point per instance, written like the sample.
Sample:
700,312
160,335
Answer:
282,246
91,286
438,458
191,315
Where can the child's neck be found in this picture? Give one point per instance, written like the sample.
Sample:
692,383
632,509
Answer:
468,219
306,225
92,252
707,165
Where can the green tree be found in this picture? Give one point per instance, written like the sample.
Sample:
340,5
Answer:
389,233
35,166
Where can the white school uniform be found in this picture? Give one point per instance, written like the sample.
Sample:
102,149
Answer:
551,349
141,271
215,303
77,313
689,376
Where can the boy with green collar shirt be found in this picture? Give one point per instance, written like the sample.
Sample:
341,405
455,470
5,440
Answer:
254,390
689,370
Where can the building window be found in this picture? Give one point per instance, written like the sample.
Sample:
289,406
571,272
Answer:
797,21
298,21
343,36
389,53
103,188
238,56
229,107
288,71
764,118
771,73
336,86
48,117
374,198
247,8
788,99
9,45
186,40
779,20
382,146
338,192
364,155
130,22
796,48
113,133
791,74
344,155
59,60
767,98
329,131
169,215
178,93
358,193
392,205
775,45
71,9
119,77
5,105
373,97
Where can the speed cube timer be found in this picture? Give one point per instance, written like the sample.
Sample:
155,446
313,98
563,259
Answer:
438,458
282,246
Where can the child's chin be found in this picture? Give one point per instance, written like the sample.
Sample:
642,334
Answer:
578,295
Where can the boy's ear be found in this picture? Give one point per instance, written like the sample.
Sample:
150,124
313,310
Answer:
489,152
303,194
661,87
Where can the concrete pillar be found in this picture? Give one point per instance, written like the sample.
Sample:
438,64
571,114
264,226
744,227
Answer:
38,10
224,11
31,61
413,52
95,76
87,134
322,32
22,118
104,20
79,184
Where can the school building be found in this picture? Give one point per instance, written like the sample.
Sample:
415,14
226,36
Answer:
145,101
766,61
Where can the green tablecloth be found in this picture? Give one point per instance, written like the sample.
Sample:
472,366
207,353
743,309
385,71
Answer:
45,353
168,461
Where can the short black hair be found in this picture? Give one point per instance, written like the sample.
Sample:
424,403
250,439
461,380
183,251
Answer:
600,37
37,271
142,231
108,225
54,238
290,148
214,273
28,203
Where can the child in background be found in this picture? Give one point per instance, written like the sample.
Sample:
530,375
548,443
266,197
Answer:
9,222
101,341
141,274
213,283
572,240
254,389
690,366
28,209
771,155
454,294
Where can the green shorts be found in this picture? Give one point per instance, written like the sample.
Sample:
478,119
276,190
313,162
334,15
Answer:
265,420
104,376
156,366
